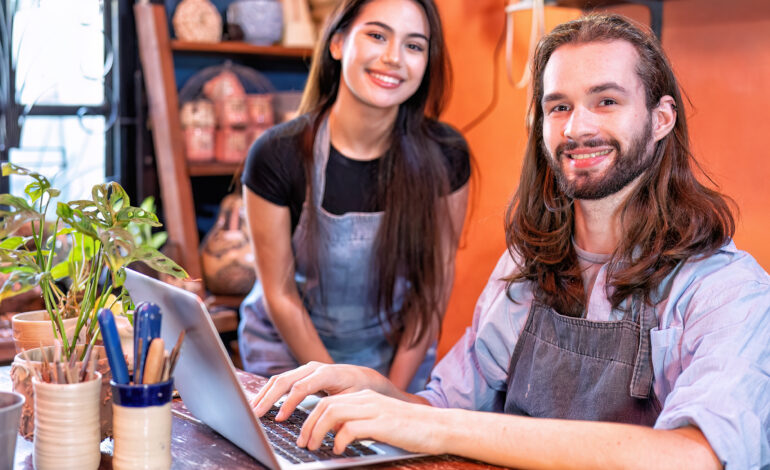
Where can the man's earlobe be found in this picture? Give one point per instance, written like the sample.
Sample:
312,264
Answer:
664,117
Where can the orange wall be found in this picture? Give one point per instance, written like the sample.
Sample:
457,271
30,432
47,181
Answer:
721,54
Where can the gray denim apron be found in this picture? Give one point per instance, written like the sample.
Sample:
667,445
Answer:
573,368
343,314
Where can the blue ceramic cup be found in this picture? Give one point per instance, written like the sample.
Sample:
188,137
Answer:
142,425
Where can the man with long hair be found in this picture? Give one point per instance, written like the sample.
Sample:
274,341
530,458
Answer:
622,328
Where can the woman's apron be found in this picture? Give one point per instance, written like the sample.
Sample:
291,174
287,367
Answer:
573,368
343,314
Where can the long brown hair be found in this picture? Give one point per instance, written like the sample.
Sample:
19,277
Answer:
669,217
413,181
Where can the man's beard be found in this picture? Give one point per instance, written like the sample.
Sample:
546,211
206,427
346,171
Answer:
625,169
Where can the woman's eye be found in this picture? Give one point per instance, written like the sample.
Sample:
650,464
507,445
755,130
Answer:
416,47
377,36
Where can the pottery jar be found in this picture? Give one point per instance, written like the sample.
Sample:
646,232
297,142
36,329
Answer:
67,425
142,426
21,378
260,21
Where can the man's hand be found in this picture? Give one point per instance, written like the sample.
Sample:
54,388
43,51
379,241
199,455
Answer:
316,377
369,415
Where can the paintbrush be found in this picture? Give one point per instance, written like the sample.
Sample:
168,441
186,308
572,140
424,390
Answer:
84,366
175,353
46,366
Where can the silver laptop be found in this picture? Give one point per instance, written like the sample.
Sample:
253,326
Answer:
206,381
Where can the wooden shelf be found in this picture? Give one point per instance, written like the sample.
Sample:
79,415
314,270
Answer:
239,47
212,168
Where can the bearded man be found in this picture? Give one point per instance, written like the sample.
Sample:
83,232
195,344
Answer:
622,328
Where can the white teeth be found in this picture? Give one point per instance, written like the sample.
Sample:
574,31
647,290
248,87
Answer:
583,156
385,78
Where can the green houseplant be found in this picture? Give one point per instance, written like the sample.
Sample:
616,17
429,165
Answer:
79,259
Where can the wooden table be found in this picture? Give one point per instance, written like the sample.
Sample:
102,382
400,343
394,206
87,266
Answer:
195,445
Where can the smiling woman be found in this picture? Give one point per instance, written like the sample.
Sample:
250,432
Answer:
355,208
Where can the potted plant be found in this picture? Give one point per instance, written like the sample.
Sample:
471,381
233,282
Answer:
78,259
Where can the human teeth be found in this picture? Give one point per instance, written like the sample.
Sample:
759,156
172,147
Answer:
385,78
583,156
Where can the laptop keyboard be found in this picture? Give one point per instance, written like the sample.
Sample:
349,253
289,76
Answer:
283,437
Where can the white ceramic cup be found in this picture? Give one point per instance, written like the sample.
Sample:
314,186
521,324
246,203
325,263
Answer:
67,434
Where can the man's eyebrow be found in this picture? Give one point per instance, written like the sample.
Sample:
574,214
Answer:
553,97
390,30
606,86
591,91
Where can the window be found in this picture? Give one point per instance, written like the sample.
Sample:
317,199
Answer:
56,92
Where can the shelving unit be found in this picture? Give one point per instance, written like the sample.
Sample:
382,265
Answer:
156,51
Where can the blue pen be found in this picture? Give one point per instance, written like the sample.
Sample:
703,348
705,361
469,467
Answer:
112,346
147,320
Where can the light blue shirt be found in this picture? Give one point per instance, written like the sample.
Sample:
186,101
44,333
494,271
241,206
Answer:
710,352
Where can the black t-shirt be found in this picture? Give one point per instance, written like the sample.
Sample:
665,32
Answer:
274,171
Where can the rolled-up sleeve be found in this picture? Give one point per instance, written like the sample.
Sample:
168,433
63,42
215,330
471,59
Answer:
712,358
474,373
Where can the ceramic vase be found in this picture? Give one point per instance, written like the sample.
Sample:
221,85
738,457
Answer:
260,21
142,426
228,260
33,329
67,425
21,377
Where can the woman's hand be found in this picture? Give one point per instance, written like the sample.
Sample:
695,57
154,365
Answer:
369,415
316,377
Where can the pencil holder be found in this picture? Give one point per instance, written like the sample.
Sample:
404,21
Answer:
67,425
142,426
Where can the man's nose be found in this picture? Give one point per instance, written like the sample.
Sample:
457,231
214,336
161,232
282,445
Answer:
582,123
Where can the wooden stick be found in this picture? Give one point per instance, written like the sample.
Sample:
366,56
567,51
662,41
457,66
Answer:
29,365
153,364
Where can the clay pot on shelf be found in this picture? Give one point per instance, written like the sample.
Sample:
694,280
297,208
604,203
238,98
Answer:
232,144
199,143
260,22
232,111
198,113
260,109
226,254
197,21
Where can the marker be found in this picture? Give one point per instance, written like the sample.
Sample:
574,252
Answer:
147,320
112,346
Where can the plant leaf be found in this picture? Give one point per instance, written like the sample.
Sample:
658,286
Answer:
159,262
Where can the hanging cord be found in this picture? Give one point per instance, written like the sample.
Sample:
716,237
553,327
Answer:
535,33
495,87
506,37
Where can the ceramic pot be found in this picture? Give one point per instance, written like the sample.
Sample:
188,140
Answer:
232,144
260,21
228,260
21,377
199,143
10,410
33,329
142,426
67,425
197,21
